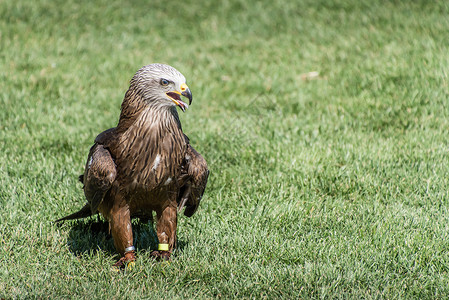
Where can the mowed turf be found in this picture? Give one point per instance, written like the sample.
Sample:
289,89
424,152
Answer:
324,123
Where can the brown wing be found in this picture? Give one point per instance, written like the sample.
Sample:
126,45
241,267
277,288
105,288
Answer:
99,174
192,192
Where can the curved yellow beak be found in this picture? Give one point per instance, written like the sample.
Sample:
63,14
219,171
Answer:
175,96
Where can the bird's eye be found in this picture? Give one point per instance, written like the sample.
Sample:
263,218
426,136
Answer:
164,82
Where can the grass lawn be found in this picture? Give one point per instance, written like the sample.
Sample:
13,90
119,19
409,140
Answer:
323,185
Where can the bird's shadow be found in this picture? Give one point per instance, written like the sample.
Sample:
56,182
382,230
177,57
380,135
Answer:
92,235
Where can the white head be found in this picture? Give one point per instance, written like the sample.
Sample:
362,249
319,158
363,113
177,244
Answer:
161,85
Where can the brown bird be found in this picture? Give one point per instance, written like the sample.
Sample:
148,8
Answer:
145,164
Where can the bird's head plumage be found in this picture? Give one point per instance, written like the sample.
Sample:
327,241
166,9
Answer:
161,85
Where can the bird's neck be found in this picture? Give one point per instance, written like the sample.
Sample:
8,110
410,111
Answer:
136,113
164,118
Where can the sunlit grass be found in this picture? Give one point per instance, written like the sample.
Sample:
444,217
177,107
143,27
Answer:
330,184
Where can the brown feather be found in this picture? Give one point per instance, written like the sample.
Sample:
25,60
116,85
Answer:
99,174
145,164
193,190
84,212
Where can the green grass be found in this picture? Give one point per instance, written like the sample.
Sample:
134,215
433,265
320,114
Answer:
329,187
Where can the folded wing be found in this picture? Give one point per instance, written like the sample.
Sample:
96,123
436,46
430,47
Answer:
99,174
192,191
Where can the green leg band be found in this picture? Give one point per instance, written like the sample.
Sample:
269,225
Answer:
162,247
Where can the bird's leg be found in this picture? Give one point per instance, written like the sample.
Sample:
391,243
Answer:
121,230
166,231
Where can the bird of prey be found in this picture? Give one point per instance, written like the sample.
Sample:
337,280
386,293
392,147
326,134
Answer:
145,164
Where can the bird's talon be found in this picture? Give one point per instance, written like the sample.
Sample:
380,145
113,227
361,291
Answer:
130,265
126,262
161,255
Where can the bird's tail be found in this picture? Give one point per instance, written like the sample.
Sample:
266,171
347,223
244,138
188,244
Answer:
82,213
